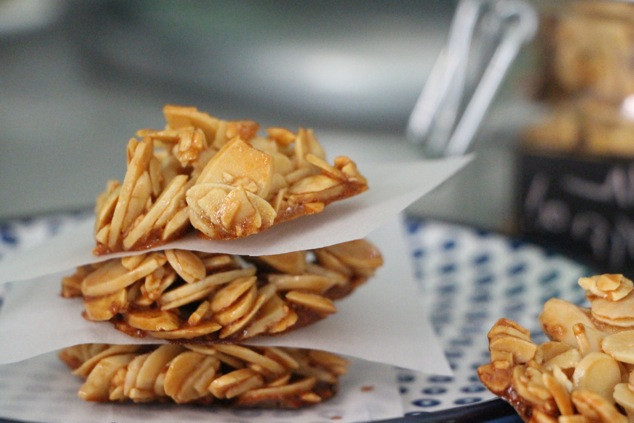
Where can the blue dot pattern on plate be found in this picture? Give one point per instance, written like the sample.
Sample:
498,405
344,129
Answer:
469,279
21,234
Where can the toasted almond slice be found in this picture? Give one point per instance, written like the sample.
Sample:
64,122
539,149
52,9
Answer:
620,345
315,302
567,360
113,276
293,263
595,406
288,321
522,350
249,355
153,320
235,383
282,136
613,287
103,235
313,184
328,260
87,366
157,282
214,263
155,364
241,322
338,277
133,261
238,309
129,388
598,372
171,202
183,117
280,381
551,349
244,129
297,175
97,385
624,397
616,313
286,359
188,332
182,373
608,282
589,339
203,311
239,159
229,294
220,210
326,168
240,212
558,317
272,312
198,290
177,224
187,264
166,205
104,308
321,374
141,156
141,193
307,282
506,327
358,254
156,176
106,205
559,393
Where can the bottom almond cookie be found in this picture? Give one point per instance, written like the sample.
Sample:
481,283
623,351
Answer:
230,375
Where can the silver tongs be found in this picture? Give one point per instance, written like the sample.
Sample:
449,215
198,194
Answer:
484,39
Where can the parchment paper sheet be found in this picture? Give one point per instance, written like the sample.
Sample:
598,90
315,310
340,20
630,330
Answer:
393,186
382,321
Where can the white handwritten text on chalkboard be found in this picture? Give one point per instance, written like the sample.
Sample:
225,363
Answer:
595,214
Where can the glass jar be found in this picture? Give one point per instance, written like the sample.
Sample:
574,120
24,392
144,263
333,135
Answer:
585,68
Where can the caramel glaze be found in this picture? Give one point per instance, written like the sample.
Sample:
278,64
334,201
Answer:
322,389
153,239
498,381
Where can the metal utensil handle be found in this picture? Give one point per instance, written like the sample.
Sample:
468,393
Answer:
437,120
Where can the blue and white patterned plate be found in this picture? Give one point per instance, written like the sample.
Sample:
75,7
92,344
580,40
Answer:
467,278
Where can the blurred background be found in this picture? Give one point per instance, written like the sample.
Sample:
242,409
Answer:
78,78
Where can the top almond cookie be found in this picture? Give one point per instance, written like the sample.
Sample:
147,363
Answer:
219,178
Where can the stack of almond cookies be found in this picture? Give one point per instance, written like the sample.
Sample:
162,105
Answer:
208,178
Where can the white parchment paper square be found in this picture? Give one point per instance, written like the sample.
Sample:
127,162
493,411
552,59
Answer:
393,186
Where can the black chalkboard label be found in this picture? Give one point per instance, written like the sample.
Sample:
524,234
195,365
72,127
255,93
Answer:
582,206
